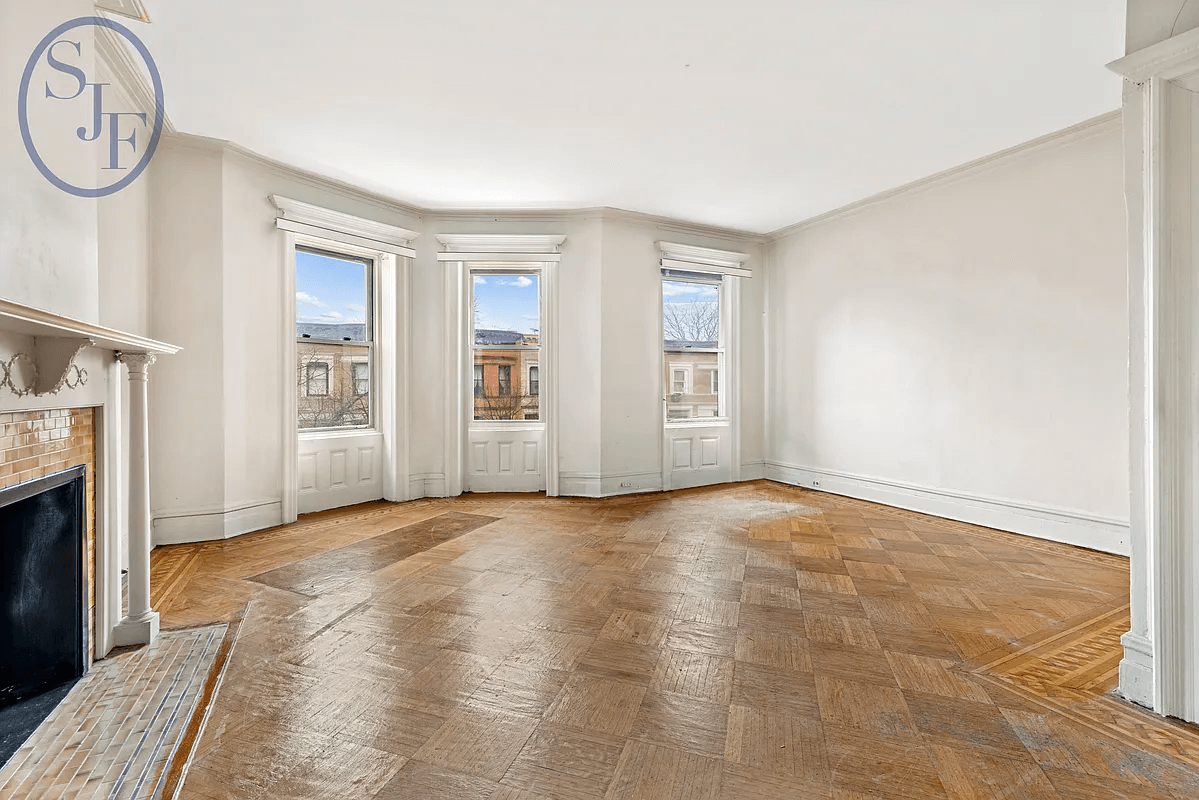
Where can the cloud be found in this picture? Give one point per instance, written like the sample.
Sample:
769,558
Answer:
521,280
309,300
330,316
357,309
480,279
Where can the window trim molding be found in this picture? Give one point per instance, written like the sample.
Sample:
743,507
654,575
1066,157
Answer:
692,258
391,364
336,226
458,400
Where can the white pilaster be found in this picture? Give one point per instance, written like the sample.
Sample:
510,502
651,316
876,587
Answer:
1161,106
140,626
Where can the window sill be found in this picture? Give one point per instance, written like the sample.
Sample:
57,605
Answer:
506,425
337,433
700,422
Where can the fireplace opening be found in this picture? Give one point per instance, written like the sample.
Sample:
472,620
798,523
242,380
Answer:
43,585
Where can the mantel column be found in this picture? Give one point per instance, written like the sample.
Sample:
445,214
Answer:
140,626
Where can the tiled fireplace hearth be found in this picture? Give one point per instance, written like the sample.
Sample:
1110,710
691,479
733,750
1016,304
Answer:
34,444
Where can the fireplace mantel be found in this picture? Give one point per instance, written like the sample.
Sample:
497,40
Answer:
57,340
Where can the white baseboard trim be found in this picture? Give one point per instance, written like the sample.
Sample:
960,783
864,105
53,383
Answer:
1136,669
426,484
207,525
1044,522
612,484
753,470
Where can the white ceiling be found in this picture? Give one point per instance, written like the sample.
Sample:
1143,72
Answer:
752,114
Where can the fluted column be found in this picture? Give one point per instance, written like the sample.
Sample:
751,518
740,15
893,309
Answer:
140,625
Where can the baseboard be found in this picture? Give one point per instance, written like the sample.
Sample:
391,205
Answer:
207,525
1136,669
613,484
753,471
1044,522
426,484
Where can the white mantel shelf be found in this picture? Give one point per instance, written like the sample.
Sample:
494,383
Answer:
30,321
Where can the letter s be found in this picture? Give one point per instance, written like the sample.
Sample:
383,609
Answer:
67,69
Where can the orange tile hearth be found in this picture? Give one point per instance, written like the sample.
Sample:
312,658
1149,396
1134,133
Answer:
752,642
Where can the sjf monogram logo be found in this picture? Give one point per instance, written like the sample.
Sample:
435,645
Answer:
70,121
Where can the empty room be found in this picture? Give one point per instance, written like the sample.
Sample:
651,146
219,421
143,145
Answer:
626,400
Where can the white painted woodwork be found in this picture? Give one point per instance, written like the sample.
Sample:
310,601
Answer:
140,625
339,469
1161,113
505,457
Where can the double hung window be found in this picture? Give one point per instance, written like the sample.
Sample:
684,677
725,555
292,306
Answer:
334,339
692,344
506,343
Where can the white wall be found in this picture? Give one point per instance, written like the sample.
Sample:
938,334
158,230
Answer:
961,348
47,236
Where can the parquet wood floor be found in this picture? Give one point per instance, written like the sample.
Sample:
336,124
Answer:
752,641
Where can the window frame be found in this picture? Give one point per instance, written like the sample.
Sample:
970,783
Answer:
534,269
370,260
534,384
722,285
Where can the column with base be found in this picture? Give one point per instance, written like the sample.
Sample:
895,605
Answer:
140,626
1161,155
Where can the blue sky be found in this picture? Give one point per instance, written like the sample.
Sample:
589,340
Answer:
507,302
329,289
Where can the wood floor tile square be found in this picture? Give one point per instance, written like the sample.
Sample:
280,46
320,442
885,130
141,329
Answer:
840,630
762,595
519,690
825,582
636,627
769,648
565,764
965,723
652,772
881,710
682,723
970,774
420,781
478,741
710,610
698,675
863,765
701,637
631,662
934,676
767,688
602,705
851,663
776,742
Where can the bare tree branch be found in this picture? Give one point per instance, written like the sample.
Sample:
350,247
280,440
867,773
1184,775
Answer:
696,321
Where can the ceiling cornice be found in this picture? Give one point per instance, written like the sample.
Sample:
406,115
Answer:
113,54
1075,133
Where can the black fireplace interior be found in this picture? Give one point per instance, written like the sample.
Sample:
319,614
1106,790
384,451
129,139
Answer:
43,585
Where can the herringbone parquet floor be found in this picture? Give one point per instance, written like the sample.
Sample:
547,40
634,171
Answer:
752,642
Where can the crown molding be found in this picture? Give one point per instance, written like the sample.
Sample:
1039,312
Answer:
1169,59
133,9
1095,126
113,55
